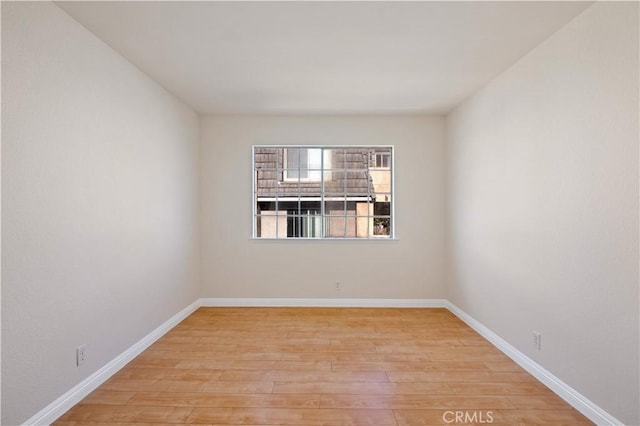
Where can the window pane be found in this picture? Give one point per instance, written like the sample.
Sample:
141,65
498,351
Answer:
383,199
334,158
303,164
380,158
381,180
340,226
359,182
364,220
265,158
313,158
335,207
381,226
356,159
335,181
269,224
269,206
292,158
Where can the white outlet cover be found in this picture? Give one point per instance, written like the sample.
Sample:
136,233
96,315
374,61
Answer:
81,354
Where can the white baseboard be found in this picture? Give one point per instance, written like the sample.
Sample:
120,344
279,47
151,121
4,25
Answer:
574,398
57,408
325,303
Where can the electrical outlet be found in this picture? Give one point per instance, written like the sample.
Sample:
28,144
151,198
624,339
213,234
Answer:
81,354
537,340
338,286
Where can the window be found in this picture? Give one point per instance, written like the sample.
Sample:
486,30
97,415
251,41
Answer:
322,192
381,159
303,164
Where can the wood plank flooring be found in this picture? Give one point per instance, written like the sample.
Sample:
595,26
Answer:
322,366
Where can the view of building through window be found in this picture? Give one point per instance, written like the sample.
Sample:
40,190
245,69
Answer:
323,192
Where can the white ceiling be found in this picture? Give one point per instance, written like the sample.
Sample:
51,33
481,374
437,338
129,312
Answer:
323,57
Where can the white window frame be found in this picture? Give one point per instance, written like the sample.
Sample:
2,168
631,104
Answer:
326,150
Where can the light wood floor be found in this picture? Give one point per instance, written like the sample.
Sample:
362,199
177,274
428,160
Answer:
317,366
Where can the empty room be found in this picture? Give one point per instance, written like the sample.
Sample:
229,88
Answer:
320,213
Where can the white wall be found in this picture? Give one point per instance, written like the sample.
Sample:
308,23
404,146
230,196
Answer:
99,199
543,205
235,266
